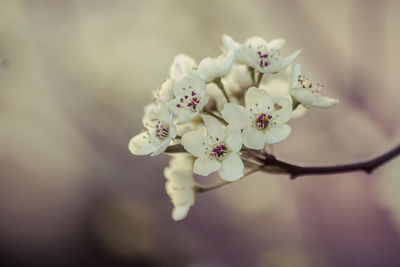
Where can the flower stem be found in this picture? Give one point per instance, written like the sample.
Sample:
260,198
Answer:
251,69
218,82
209,112
201,189
259,78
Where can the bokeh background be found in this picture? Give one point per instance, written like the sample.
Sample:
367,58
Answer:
74,77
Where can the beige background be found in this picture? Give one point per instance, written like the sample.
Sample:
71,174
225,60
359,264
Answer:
74,78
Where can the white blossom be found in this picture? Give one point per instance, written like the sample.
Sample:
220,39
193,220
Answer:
307,93
181,65
159,132
217,149
211,68
180,184
189,97
262,119
261,55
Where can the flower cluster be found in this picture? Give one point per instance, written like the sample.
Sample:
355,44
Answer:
212,115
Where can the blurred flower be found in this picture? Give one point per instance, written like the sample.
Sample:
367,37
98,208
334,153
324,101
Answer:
216,150
238,79
180,184
262,119
160,132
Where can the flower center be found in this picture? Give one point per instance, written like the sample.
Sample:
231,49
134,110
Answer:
189,101
218,151
262,121
263,59
304,82
161,132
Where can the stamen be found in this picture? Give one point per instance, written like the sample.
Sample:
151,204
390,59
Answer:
262,121
218,151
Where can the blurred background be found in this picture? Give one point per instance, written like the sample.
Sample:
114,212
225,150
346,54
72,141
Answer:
74,78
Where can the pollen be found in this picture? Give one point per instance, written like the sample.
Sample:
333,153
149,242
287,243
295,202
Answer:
218,151
263,121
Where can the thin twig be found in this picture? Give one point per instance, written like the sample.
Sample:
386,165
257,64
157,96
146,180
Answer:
209,112
201,189
296,170
218,82
259,78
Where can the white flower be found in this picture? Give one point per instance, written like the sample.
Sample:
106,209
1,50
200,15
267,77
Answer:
181,64
180,184
216,150
262,56
307,93
160,132
262,120
211,68
189,97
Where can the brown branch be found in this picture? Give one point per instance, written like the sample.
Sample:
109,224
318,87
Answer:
296,170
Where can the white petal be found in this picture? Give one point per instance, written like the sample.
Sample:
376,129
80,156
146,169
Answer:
277,88
276,44
247,55
296,71
241,75
256,41
166,93
303,95
324,102
195,142
179,177
228,42
206,166
231,168
162,147
140,144
150,107
214,128
236,115
186,84
181,162
277,134
211,68
233,137
164,115
180,212
181,64
172,130
283,114
283,63
258,100
188,118
176,107
203,101
253,138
